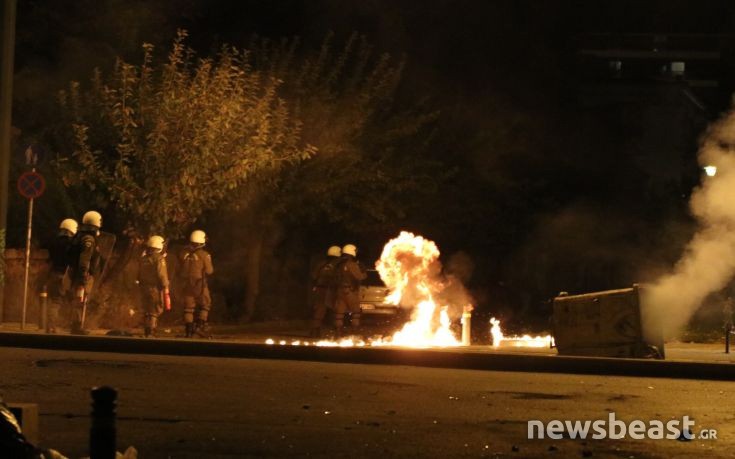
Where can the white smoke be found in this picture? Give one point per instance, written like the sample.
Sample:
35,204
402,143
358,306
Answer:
708,262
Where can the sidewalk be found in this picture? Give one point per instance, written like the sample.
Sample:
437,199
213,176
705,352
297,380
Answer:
256,332
295,330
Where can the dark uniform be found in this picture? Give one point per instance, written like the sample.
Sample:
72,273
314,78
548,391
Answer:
349,275
324,280
196,265
153,281
85,265
57,282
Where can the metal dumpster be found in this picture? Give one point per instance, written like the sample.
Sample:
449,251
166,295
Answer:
603,324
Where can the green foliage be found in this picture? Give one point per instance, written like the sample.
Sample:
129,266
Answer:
162,144
370,162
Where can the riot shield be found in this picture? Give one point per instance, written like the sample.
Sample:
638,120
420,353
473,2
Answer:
105,247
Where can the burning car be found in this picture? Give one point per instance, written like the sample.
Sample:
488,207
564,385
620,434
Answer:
373,295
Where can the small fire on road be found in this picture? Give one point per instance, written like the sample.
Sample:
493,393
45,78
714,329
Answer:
409,265
499,340
517,341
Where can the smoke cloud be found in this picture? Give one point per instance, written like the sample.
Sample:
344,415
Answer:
708,262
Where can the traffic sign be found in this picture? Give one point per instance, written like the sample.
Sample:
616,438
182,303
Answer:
33,154
31,185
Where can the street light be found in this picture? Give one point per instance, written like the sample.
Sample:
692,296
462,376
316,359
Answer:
710,170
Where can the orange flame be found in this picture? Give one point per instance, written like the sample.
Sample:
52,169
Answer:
516,341
409,266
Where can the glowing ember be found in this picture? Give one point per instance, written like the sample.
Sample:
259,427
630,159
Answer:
345,342
516,341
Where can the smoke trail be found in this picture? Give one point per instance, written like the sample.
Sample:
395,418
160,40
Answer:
708,262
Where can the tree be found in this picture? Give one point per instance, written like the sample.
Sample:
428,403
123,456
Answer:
163,144
371,146
371,163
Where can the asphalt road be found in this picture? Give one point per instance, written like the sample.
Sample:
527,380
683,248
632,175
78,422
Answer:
203,407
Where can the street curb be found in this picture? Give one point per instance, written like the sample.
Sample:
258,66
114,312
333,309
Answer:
433,358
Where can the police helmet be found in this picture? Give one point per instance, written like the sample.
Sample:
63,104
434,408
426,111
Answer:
349,249
155,242
198,237
70,225
92,218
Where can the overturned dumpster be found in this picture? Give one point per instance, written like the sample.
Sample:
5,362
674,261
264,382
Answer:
604,324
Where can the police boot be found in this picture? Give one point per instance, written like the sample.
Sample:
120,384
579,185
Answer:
76,329
51,322
355,322
147,331
153,326
202,329
189,329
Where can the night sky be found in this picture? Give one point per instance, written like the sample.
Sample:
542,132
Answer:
543,174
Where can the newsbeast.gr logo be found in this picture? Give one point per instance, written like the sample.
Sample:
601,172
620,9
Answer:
611,428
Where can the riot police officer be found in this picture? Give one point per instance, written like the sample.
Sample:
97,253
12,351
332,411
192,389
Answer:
153,281
349,276
196,265
57,286
85,265
324,288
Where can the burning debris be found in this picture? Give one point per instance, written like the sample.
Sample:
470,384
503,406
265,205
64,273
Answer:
499,339
405,339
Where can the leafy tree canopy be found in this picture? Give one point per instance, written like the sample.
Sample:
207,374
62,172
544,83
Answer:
164,143
371,156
